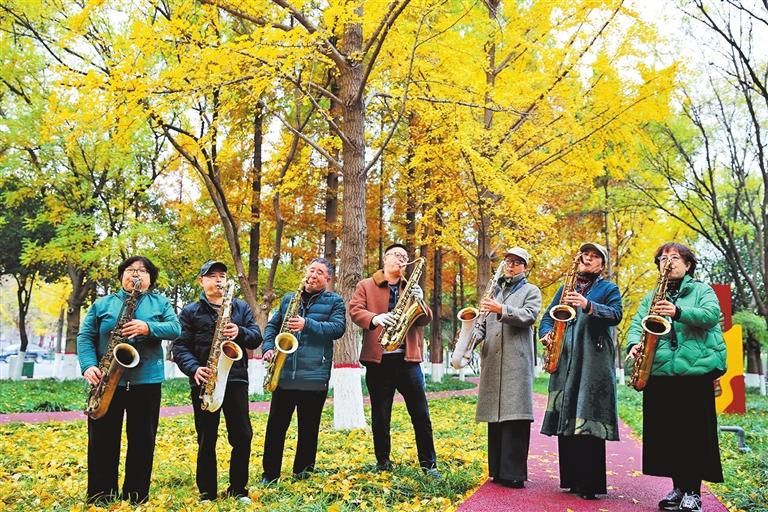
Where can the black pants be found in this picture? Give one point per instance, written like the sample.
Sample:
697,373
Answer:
582,463
508,443
680,435
394,373
239,435
309,407
141,406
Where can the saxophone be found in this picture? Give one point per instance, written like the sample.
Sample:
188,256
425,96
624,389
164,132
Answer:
223,353
470,335
405,312
654,326
561,314
118,356
285,342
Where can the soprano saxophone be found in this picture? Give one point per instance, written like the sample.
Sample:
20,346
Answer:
223,354
654,326
118,357
285,342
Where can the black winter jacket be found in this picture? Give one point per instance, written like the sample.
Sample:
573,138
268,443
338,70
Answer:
198,321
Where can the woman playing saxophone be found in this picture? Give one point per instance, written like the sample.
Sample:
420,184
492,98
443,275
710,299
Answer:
505,396
679,417
137,396
581,409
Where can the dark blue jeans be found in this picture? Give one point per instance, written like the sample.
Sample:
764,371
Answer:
394,373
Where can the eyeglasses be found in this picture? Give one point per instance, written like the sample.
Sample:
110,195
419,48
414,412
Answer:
140,271
514,262
398,256
674,257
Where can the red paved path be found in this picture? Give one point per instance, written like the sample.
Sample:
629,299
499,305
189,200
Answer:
628,489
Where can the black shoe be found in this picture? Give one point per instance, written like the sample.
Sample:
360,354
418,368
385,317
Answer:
574,490
587,496
384,466
268,481
302,476
513,484
672,500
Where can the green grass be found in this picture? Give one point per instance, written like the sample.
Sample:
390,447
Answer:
746,474
51,395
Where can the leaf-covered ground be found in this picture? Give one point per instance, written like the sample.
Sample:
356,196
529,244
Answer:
54,395
43,466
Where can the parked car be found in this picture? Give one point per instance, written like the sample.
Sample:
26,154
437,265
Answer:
33,353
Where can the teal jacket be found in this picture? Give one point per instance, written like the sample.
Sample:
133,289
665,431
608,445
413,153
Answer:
697,347
152,308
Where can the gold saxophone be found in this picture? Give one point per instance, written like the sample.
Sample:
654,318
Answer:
405,312
118,356
285,342
561,314
223,354
654,326
470,335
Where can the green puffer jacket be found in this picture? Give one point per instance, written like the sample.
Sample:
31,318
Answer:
698,347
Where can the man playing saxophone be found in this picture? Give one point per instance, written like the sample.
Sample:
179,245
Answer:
505,396
137,396
581,408
373,308
319,321
191,352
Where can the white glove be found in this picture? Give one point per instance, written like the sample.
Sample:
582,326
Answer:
417,293
387,319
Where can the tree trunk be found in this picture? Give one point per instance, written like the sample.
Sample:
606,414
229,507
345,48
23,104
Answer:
80,289
436,344
255,232
348,398
24,284
332,192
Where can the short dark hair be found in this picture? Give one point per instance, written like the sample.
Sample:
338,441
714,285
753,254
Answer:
396,244
325,262
151,268
683,250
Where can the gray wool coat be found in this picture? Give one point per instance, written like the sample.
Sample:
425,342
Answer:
507,369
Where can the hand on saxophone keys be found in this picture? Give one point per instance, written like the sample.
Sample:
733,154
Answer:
634,352
267,356
230,331
295,324
135,328
202,374
546,340
490,306
92,375
665,308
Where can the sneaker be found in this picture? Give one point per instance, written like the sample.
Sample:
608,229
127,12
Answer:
512,484
265,480
384,466
244,500
672,500
433,472
690,502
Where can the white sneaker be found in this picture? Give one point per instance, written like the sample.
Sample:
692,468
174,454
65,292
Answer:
691,503
245,500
